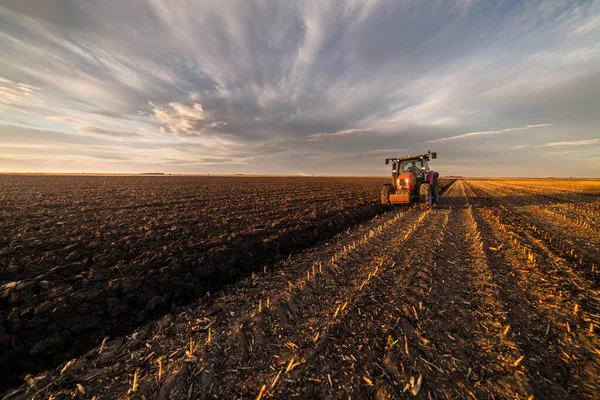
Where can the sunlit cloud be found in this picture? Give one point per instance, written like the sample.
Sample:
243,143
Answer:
485,133
14,92
573,143
180,119
58,118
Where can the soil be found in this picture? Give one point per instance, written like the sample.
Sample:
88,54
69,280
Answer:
491,294
83,258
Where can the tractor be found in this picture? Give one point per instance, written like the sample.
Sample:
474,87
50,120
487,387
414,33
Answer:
412,181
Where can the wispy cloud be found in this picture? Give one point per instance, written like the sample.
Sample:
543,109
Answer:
382,151
106,132
15,92
485,133
573,143
59,118
317,137
520,146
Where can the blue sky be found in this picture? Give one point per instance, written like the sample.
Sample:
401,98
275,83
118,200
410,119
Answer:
497,88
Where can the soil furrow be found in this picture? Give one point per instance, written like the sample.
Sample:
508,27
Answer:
290,278
354,349
293,324
353,338
466,318
559,354
582,259
574,224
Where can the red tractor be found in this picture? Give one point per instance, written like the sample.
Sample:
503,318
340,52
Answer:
412,181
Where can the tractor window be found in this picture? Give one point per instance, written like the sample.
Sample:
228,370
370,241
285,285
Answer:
409,165
425,165
406,166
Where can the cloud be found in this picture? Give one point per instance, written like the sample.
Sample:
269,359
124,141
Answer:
381,151
573,143
300,76
58,118
484,133
106,132
14,92
317,137
186,152
26,136
180,119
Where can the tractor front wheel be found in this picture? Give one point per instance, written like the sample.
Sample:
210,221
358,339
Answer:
385,194
425,195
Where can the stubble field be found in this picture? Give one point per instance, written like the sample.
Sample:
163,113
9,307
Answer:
227,287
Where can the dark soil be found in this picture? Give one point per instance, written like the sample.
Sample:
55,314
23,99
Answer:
83,258
478,297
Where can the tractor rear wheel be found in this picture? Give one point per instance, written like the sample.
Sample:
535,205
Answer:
436,192
425,195
385,194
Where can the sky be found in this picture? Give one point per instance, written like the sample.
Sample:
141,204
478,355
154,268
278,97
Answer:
496,88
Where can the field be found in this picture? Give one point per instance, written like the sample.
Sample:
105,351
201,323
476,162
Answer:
239,287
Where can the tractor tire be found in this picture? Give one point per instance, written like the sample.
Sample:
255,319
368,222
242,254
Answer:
425,195
436,192
385,194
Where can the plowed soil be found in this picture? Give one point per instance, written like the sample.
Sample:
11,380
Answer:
314,291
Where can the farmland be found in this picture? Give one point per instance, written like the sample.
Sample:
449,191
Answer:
215,287
96,257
